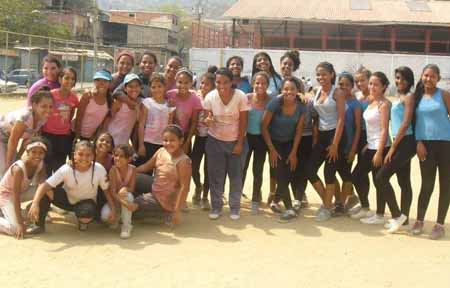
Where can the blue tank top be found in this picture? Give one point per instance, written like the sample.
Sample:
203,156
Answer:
397,115
432,119
327,111
255,116
364,105
350,123
244,85
274,86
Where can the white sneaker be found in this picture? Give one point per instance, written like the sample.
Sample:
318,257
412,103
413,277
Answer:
362,213
397,223
125,232
354,210
235,216
214,215
373,220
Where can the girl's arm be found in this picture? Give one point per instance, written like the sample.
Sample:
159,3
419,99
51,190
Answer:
115,107
132,184
84,101
292,158
407,118
340,106
243,120
353,150
273,153
16,134
384,110
147,166
17,190
191,132
41,191
184,169
446,96
141,123
112,175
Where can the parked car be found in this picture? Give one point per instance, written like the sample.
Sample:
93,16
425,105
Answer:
6,87
25,77
2,75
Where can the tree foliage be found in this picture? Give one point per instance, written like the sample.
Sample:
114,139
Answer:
185,24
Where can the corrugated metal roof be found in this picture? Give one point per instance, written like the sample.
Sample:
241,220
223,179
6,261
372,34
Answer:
339,11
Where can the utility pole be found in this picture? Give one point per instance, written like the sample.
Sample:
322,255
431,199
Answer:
94,31
198,10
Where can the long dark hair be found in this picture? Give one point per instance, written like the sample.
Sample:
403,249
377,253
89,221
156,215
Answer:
408,75
420,89
273,73
330,69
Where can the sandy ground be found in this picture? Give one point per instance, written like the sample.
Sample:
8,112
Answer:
255,251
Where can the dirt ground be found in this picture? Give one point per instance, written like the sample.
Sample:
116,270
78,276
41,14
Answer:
255,251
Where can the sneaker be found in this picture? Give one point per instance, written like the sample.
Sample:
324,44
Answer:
297,205
354,210
82,226
396,224
352,201
362,213
34,229
114,225
214,215
373,220
339,210
185,209
275,207
305,203
287,216
437,232
125,232
255,208
323,214
195,200
417,228
204,204
235,216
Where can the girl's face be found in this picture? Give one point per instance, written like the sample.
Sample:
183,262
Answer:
400,82
83,157
36,155
67,80
263,64
346,85
133,89
206,86
102,85
376,88
172,143
289,91
323,76
120,159
362,83
43,109
260,85
124,65
172,68
223,84
184,83
104,144
430,78
287,67
147,65
235,67
157,89
50,71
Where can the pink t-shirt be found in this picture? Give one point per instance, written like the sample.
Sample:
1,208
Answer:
93,117
59,122
184,108
226,117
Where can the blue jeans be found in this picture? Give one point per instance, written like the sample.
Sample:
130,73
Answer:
221,162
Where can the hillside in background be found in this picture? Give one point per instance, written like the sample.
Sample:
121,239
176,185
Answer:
211,8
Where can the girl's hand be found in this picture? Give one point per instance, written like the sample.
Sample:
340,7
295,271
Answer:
421,151
351,156
292,160
33,214
186,147
332,154
389,155
19,231
209,120
274,156
171,102
237,149
377,159
112,216
141,151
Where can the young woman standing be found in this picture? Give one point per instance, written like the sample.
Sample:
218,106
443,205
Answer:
236,64
262,62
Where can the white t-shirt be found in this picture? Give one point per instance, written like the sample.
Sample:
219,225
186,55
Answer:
157,120
84,186
226,117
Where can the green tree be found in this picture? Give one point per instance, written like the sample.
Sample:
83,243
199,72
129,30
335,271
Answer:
185,25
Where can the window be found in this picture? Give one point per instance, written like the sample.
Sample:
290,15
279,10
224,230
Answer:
131,15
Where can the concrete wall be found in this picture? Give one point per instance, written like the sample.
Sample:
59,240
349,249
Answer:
153,37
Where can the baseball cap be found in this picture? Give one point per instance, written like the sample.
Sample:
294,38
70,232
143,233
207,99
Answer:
103,74
131,77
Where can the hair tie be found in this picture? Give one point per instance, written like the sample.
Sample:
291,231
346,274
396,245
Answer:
36,144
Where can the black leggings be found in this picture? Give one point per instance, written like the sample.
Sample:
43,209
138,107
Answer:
303,157
198,151
258,147
438,157
318,156
60,148
284,175
362,169
401,166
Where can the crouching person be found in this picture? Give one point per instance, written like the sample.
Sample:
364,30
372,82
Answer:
80,179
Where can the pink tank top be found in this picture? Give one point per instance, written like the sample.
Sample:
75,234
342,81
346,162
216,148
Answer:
93,117
7,182
123,182
122,125
166,183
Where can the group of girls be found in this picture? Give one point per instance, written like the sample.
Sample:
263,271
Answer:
131,140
